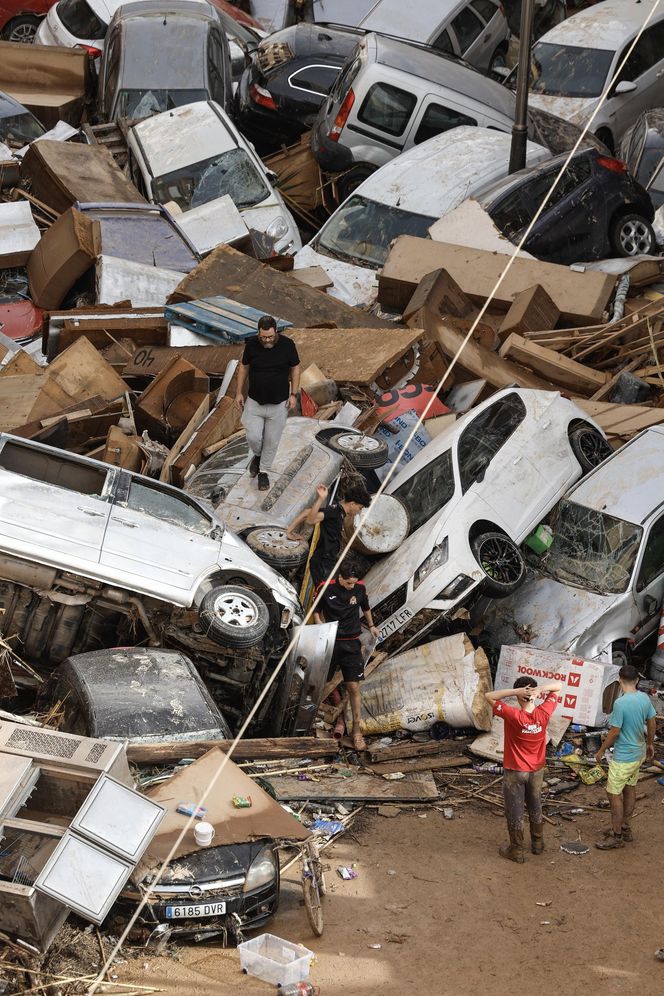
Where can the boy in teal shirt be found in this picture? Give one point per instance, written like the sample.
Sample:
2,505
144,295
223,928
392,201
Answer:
631,713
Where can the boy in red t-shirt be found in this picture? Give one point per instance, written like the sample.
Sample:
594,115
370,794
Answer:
524,759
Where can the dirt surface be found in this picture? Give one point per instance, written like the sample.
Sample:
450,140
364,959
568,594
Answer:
455,919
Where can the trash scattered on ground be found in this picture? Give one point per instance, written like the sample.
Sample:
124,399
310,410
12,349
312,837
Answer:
347,873
574,847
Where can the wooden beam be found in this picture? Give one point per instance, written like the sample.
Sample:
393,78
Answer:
554,366
246,750
407,748
418,764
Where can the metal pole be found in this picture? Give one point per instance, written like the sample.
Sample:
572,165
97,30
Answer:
520,127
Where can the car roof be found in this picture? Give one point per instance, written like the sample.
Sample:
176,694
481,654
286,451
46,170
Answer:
415,21
435,176
162,686
487,194
308,39
167,139
192,9
628,485
609,25
436,67
105,9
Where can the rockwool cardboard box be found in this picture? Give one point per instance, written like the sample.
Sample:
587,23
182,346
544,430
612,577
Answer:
589,687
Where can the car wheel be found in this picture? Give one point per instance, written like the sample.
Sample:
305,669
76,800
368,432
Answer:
364,452
21,29
234,616
502,563
621,653
631,234
351,180
589,447
273,546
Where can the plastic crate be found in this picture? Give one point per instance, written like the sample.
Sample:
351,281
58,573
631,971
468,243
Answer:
275,960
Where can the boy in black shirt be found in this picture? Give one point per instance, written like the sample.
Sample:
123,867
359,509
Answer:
271,360
331,519
345,601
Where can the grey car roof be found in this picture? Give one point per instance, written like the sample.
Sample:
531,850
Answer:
415,21
494,189
630,484
153,53
436,67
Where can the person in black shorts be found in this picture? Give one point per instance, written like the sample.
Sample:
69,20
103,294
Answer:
331,519
344,600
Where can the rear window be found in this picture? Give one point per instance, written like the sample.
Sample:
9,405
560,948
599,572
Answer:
387,108
315,79
485,8
80,20
569,71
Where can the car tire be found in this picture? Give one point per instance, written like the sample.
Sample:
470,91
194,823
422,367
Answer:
632,234
589,447
502,562
621,653
21,29
364,452
234,616
349,182
271,545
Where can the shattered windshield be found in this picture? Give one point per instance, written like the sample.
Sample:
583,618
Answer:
143,103
592,549
428,490
231,173
569,71
361,230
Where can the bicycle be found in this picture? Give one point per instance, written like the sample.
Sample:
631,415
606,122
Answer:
313,884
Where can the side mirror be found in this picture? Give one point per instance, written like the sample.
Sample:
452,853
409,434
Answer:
272,177
625,86
650,605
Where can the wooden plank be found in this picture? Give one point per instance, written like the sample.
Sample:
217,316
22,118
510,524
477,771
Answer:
246,750
21,364
407,749
222,422
621,421
415,787
418,764
580,296
555,367
353,355
212,360
84,373
27,398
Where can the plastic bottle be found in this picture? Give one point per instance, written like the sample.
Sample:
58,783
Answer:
299,989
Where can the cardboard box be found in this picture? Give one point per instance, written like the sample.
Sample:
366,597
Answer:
589,687
52,82
65,252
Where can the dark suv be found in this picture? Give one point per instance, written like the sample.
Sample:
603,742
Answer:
158,56
596,210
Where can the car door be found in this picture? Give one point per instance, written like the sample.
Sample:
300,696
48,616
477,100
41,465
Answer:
496,476
436,114
573,223
470,31
53,506
159,539
648,587
644,68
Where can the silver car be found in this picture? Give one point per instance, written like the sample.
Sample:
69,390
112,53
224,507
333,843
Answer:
598,591
97,543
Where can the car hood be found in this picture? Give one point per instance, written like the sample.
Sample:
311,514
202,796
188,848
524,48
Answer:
207,864
354,285
574,109
546,614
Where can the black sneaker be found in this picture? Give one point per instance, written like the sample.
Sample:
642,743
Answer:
263,482
254,466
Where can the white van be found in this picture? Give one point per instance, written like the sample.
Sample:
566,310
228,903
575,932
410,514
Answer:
405,197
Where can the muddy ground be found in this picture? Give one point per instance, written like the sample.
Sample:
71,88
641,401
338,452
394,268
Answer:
454,919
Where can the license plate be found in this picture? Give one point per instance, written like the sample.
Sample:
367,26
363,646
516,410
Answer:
195,911
394,623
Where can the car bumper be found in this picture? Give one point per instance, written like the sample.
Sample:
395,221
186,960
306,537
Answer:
333,157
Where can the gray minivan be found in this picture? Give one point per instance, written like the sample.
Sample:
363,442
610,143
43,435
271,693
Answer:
158,56
392,95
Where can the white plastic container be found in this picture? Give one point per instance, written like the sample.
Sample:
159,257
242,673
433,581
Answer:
274,960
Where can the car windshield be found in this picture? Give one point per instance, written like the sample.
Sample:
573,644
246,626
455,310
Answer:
143,103
428,490
19,129
361,230
592,550
230,173
569,71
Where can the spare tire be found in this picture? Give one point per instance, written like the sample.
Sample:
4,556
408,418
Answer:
234,616
386,526
362,451
272,545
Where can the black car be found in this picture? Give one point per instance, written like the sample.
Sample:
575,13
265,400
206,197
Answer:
642,148
290,74
141,695
17,125
597,209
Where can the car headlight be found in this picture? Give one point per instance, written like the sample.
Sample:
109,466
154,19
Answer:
262,871
277,229
456,587
437,558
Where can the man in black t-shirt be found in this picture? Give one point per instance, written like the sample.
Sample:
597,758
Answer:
331,519
272,363
345,601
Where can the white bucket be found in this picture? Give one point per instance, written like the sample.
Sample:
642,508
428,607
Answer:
204,834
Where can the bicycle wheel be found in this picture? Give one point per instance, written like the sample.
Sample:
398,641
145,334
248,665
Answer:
312,904
320,877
